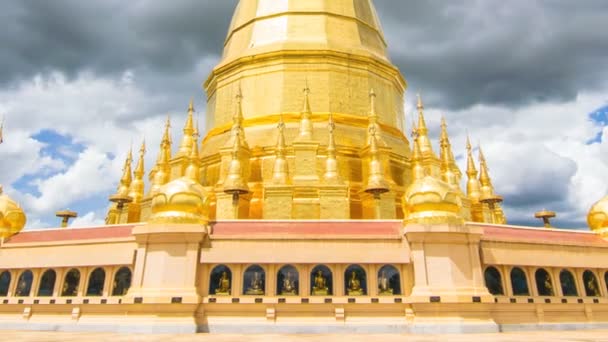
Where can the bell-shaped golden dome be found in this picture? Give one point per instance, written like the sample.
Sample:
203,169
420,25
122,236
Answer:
597,218
12,217
182,201
430,200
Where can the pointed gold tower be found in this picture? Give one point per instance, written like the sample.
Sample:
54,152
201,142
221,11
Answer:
117,213
186,145
278,195
336,50
161,169
430,161
136,190
487,195
333,195
473,186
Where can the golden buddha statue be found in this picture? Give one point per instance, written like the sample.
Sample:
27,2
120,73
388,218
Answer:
354,285
548,285
289,286
320,287
256,286
223,285
384,288
591,287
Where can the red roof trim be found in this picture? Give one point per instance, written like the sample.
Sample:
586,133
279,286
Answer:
542,236
72,234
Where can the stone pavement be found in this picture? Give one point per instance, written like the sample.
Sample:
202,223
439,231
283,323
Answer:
41,336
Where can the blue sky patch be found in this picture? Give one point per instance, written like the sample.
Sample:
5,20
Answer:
599,117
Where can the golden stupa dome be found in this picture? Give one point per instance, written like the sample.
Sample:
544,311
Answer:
597,218
431,200
12,217
182,201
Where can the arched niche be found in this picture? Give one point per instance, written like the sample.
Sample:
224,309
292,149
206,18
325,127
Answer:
254,281
389,282
566,280
493,281
544,285
519,282
70,283
47,283
288,281
24,284
122,282
97,279
592,289
5,283
321,281
355,281
220,281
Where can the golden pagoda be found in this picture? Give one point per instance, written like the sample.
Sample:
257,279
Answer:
303,209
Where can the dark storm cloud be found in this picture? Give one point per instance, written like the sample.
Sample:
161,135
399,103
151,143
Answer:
498,52
457,53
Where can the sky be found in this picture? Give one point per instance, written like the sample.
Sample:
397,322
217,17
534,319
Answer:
81,81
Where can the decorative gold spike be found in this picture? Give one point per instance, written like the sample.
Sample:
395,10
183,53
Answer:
473,185
423,132
234,183
186,145
193,169
280,170
487,192
136,190
305,118
331,176
372,118
376,184
449,170
417,168
125,180
161,174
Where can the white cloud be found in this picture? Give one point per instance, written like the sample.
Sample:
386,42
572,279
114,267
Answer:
90,219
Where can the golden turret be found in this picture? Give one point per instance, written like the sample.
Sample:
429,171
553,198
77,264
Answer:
423,133
161,172
280,171
305,133
234,183
121,197
237,133
194,167
375,184
186,145
136,190
597,218
12,217
125,180
473,185
487,192
448,163
372,117
331,175
417,168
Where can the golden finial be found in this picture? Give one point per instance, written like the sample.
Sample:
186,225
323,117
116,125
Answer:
65,216
419,104
125,180
136,191
546,216
449,169
280,170
376,184
186,144
234,183
487,191
331,176
473,185
161,169
417,168
422,130
305,118
193,169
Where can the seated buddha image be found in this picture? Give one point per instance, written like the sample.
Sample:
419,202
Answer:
320,285
354,285
223,286
256,286
384,288
591,287
289,287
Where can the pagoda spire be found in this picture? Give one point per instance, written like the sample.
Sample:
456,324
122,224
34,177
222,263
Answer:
234,182
449,170
186,145
280,171
237,132
376,184
193,169
417,168
473,185
161,173
136,190
331,176
372,117
422,130
306,128
487,189
125,180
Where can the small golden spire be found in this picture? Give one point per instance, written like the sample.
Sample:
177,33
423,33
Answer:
473,185
422,130
193,169
236,131
372,118
136,190
305,118
487,192
417,168
234,183
186,144
487,189
161,173
448,163
280,170
331,176
125,180
376,184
